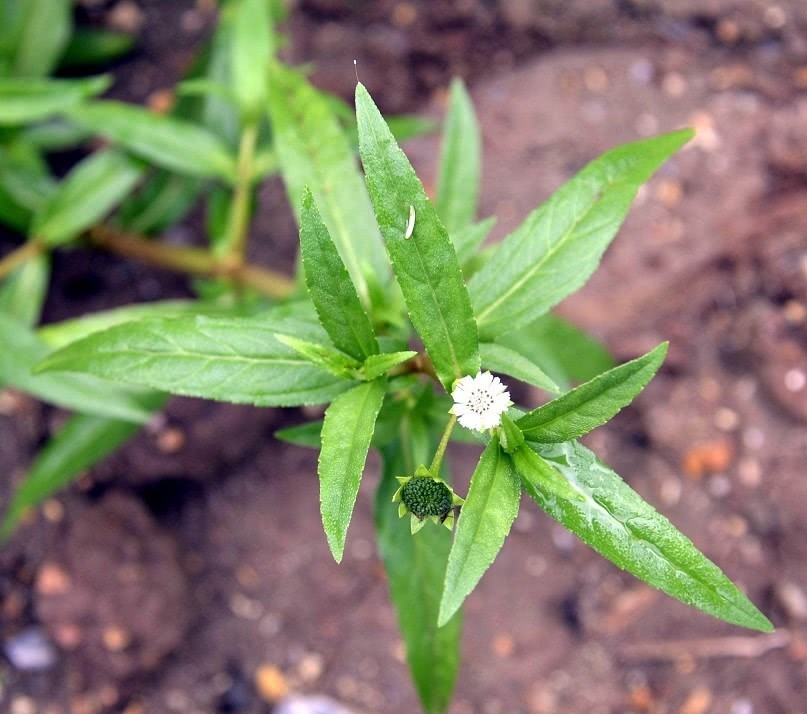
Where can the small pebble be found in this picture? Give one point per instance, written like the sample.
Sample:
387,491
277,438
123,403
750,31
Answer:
795,380
30,650
310,705
793,600
270,683
674,85
22,705
52,580
726,419
741,706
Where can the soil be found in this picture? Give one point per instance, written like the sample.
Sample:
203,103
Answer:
189,573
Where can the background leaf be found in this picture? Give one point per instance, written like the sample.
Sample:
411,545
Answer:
334,296
231,359
591,404
81,443
23,292
416,567
499,358
346,435
313,151
489,510
252,48
564,351
559,245
24,100
22,349
170,142
458,176
33,36
425,264
87,194
614,520
468,238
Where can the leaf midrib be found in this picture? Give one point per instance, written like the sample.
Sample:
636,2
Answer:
558,245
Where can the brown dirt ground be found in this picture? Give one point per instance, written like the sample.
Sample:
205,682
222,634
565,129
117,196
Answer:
194,559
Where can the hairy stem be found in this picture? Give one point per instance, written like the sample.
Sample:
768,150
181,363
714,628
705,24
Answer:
19,256
194,261
441,449
238,225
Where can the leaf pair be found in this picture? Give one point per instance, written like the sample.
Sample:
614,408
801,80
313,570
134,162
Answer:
583,494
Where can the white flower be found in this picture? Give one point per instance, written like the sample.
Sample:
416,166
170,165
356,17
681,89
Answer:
480,401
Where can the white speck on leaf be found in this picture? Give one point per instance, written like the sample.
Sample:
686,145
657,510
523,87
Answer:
410,226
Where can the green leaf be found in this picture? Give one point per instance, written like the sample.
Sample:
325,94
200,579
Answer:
425,263
313,151
34,34
324,356
376,365
91,47
334,296
458,178
591,404
175,144
27,100
161,203
25,182
614,520
506,361
416,567
564,351
23,292
22,350
231,359
468,238
59,334
346,435
559,245
308,434
252,48
81,443
489,510
88,193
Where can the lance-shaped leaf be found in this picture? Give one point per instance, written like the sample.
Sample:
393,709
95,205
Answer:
458,177
21,349
324,356
614,520
59,334
172,143
332,291
499,358
313,151
559,245
564,351
23,292
425,263
81,443
346,435
34,35
252,47
308,434
226,358
376,365
416,567
24,100
91,190
591,404
468,239
489,510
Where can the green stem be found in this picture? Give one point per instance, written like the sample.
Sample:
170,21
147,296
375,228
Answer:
238,226
441,449
18,256
194,261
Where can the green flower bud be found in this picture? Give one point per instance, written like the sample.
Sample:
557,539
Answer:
426,497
